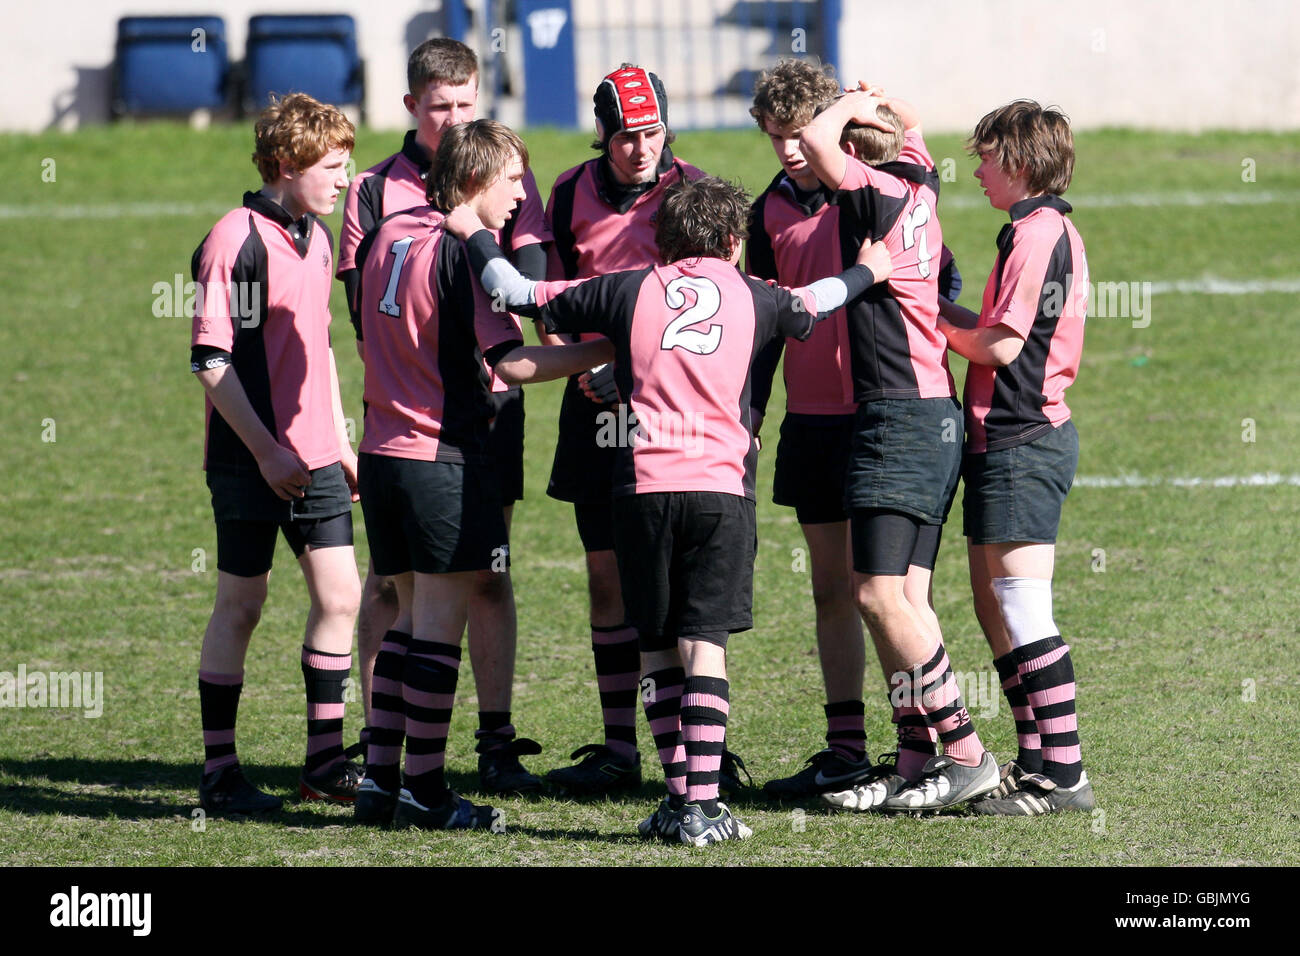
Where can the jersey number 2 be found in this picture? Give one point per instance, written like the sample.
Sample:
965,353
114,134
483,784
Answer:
388,304
707,302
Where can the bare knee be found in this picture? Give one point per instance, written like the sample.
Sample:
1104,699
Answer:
491,586
879,597
379,591
238,614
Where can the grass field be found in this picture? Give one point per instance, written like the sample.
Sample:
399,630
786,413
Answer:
1180,601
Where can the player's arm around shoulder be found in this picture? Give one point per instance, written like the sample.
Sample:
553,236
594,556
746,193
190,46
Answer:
819,140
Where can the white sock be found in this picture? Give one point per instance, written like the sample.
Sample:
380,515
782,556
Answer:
1026,605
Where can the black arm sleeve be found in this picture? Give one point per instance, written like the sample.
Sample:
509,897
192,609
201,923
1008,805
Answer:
530,260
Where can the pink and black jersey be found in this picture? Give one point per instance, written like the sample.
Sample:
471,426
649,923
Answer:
685,336
1038,289
264,288
397,184
897,349
428,328
794,239
601,226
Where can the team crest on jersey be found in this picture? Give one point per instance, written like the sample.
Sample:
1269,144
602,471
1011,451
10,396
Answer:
325,262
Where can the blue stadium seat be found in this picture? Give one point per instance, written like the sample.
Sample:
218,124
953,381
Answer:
170,65
316,55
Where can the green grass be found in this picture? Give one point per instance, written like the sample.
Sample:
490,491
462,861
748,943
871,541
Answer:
1184,644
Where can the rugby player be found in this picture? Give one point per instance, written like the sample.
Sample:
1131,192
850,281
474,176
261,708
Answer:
277,454
429,486
1022,448
442,76
684,530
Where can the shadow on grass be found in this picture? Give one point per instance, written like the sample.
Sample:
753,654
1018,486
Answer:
129,790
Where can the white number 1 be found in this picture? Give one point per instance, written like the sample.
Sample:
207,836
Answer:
914,235
388,304
707,302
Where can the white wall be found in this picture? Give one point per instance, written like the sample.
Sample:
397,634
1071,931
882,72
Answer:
1165,64
1155,63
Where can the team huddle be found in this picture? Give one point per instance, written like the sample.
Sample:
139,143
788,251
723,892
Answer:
666,298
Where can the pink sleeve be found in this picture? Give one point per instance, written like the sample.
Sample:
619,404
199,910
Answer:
530,219
544,292
857,175
914,150
212,323
350,237
492,327
1023,274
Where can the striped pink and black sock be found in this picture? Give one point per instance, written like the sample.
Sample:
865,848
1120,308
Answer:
387,713
324,675
618,675
1030,756
218,708
846,732
939,698
494,730
705,707
663,711
428,692
1048,678
916,740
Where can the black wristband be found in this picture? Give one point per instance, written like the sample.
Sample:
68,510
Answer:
859,279
204,357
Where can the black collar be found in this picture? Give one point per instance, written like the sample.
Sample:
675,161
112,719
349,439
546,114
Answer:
1023,208
807,200
622,195
299,229
420,157
912,172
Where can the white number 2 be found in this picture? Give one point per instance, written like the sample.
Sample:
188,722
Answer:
707,302
388,304
914,235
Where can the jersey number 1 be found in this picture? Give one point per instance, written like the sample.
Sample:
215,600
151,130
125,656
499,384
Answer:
707,302
388,304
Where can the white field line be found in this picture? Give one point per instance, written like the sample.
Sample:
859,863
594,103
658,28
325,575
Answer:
1241,197
1213,286
1226,481
124,210
151,210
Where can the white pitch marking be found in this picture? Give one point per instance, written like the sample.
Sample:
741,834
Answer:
149,210
1214,286
1253,197
1225,481
128,210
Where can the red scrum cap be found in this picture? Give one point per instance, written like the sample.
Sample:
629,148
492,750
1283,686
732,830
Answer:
630,99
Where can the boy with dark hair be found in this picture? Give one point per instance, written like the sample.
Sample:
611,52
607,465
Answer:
277,454
602,215
442,75
685,335
1022,449
429,487
905,455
